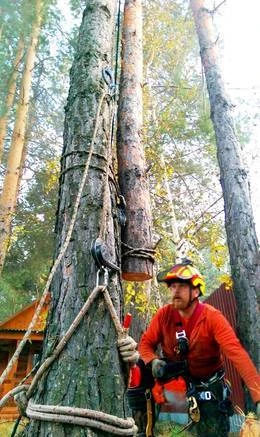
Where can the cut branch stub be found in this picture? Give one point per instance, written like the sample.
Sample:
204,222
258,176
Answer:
137,260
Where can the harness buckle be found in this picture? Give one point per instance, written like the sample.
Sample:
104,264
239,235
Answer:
205,395
181,334
194,411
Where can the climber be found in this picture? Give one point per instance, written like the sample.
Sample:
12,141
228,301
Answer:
192,337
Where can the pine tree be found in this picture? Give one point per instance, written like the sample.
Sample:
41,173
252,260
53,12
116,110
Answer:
88,372
15,157
239,220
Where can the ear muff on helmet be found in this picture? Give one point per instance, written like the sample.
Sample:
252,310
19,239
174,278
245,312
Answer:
186,272
199,282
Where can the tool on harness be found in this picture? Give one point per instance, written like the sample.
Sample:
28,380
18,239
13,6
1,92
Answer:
173,370
149,411
226,405
215,389
172,391
171,387
193,409
182,347
102,255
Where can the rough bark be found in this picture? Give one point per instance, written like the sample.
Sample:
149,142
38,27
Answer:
88,373
11,87
10,187
131,161
239,221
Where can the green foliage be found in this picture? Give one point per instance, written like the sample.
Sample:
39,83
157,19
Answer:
136,295
169,429
6,427
30,255
10,300
178,127
31,250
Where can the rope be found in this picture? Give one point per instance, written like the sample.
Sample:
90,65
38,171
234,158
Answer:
62,251
106,194
102,233
82,417
72,415
140,252
46,364
117,40
12,393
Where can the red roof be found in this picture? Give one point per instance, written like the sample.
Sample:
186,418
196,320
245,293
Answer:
21,320
224,300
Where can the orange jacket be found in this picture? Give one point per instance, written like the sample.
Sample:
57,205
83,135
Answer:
211,336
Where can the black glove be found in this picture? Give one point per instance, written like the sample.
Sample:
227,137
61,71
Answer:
158,368
173,370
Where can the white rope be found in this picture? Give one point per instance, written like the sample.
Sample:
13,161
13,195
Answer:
61,254
82,417
12,393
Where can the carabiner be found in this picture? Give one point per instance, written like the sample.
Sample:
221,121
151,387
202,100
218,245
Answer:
103,270
108,76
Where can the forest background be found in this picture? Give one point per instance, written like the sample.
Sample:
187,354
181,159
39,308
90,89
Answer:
178,135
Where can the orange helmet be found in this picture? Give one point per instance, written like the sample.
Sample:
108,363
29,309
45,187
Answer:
186,272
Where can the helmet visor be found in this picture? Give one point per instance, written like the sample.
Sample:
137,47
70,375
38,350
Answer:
179,271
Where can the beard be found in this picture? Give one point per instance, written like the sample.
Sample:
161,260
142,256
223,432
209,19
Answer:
178,303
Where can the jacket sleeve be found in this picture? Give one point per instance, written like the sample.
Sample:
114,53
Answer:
233,350
151,339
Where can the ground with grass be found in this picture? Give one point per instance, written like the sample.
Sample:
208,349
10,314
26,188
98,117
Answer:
169,429
162,429
6,427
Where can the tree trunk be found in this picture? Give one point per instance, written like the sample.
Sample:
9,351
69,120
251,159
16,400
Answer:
10,188
239,222
88,373
11,87
137,263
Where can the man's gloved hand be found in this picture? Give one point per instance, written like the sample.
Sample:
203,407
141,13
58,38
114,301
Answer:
158,368
258,410
127,349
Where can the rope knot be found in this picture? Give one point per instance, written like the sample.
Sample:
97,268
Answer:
22,401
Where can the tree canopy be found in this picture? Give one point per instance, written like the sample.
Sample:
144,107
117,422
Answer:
178,137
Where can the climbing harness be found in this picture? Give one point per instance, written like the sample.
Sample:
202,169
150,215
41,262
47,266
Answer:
183,335
200,392
182,347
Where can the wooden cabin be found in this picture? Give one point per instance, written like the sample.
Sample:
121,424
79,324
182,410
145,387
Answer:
12,331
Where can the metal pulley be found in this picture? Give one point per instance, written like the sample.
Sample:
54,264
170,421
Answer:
102,255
